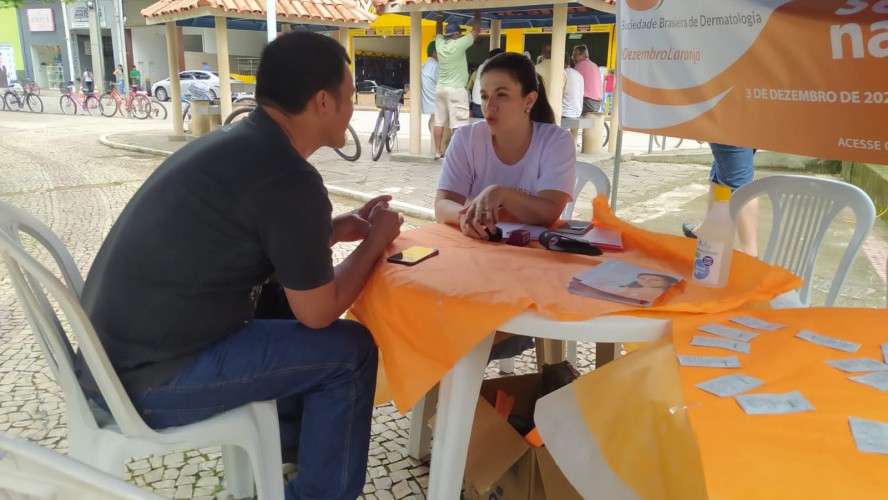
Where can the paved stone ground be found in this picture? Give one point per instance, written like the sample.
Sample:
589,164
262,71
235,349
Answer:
55,168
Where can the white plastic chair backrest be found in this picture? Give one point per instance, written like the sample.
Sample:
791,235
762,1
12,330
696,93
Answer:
31,281
803,208
14,222
587,172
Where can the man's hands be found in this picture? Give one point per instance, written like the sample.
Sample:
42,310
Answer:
357,224
481,213
385,225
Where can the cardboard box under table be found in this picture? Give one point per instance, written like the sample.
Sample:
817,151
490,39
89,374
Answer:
500,464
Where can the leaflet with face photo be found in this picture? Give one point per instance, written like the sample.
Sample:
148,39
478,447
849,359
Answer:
730,385
728,332
832,343
709,361
857,365
774,404
731,345
756,323
869,436
877,380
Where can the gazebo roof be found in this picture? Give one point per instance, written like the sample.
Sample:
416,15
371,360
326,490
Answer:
511,13
318,12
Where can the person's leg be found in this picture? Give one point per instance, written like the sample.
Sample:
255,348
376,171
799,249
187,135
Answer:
331,372
441,118
733,166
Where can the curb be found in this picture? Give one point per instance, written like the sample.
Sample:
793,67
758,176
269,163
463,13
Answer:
415,211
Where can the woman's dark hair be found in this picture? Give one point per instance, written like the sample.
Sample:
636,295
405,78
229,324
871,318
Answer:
519,67
296,66
668,279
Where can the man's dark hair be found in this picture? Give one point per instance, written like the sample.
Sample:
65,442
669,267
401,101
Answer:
296,66
495,52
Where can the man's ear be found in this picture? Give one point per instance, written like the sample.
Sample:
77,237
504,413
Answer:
324,102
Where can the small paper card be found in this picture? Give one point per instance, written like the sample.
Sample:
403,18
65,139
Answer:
774,404
728,332
730,385
885,352
756,323
869,436
879,380
731,345
709,361
857,365
832,343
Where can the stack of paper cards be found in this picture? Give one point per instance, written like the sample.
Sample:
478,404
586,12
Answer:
730,385
832,343
869,436
774,404
728,332
858,365
878,380
709,361
756,324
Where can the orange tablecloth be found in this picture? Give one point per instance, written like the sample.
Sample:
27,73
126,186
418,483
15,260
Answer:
708,447
426,317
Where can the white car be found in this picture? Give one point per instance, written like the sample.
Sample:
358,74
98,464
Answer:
161,89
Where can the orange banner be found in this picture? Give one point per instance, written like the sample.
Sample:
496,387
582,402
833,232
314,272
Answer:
808,77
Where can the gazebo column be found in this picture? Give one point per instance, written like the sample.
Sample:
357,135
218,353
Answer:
495,28
343,40
556,77
175,85
415,82
224,67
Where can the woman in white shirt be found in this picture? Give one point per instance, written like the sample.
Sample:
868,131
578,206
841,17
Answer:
517,164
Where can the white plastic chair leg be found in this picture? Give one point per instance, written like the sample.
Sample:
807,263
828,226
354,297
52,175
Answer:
572,352
238,473
506,365
420,440
456,413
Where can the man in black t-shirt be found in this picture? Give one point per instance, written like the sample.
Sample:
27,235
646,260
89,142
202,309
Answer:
216,285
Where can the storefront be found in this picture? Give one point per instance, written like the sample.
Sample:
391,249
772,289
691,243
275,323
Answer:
44,58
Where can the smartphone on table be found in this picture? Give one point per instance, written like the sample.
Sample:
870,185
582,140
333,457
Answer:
413,255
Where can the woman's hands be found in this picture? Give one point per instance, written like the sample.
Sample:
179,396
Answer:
480,215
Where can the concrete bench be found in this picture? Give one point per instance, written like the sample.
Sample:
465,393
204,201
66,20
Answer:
592,125
205,117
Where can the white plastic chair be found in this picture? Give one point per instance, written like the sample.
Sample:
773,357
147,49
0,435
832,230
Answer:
29,471
250,434
803,208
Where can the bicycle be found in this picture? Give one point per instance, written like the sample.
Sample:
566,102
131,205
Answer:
31,87
388,100
158,110
69,102
12,101
351,151
136,103
679,140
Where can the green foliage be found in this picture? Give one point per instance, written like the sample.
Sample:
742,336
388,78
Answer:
21,3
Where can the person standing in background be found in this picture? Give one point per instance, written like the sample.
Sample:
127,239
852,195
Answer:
475,106
206,67
609,82
732,166
89,86
4,74
593,92
135,77
544,68
118,76
451,98
572,103
429,88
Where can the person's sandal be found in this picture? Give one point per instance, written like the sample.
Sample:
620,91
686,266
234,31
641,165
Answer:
688,229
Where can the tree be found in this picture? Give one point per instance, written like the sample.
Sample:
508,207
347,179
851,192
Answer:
21,3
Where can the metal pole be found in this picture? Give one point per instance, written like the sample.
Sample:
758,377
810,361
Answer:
617,127
67,47
271,19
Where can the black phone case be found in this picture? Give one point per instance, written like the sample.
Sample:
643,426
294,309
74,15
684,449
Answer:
396,259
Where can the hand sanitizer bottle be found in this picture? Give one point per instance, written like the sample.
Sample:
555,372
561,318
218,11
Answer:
715,243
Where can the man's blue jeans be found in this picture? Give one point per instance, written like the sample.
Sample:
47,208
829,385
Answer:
324,383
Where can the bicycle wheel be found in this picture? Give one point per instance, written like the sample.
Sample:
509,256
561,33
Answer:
391,139
669,141
377,139
10,102
607,134
92,105
186,116
35,103
238,115
109,104
141,107
158,110
351,151
69,107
